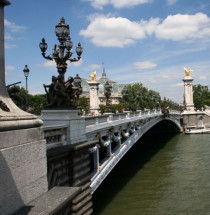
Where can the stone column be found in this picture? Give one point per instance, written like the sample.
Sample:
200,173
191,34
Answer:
188,92
23,169
94,98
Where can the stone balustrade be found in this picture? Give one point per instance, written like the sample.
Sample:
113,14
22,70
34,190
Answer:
55,136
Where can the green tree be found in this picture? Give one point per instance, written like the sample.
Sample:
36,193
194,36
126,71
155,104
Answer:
84,103
201,96
117,107
37,103
18,95
102,108
140,97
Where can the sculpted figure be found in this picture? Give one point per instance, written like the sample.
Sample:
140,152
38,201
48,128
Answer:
61,96
187,72
51,90
93,76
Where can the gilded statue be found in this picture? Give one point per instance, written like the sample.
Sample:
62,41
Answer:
93,76
187,72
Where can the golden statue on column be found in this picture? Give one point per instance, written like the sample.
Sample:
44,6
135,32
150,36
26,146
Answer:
187,72
93,76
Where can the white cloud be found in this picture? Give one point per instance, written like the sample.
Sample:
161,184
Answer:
99,4
36,90
10,46
203,77
110,31
166,77
181,84
7,74
50,64
184,27
171,2
12,26
92,67
144,65
9,68
9,37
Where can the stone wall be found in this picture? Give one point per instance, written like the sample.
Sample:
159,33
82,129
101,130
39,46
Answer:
196,119
71,166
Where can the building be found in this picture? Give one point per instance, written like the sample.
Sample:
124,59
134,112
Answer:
116,89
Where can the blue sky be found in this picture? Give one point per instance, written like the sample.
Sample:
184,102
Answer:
147,41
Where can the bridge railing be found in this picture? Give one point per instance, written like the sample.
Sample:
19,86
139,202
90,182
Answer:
106,118
57,135
174,111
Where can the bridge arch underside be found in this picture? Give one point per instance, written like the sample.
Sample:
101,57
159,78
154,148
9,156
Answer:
165,126
153,126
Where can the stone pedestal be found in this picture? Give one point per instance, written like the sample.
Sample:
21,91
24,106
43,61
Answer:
23,168
94,98
70,119
188,92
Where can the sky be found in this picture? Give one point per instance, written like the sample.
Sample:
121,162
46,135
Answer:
147,41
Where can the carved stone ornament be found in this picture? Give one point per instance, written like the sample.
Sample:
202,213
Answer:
4,107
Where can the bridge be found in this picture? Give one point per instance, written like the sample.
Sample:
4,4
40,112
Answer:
54,165
111,136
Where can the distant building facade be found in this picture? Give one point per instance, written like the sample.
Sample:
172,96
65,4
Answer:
116,94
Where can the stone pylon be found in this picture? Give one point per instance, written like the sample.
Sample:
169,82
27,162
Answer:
188,91
94,98
23,170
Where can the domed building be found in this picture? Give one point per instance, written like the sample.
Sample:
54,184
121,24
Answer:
116,89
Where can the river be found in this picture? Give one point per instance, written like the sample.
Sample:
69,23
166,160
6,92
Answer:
161,175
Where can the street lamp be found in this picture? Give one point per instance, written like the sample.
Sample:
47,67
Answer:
63,91
26,73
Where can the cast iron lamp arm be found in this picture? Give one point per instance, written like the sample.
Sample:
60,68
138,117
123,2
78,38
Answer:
74,59
47,57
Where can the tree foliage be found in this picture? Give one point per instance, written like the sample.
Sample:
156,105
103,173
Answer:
139,97
84,103
201,96
18,96
35,102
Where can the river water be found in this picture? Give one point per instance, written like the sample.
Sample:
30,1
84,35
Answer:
161,175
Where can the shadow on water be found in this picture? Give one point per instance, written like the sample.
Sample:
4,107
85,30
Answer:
125,170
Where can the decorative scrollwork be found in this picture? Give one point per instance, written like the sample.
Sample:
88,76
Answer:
4,107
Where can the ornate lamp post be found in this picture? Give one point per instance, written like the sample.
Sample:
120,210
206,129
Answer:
26,73
107,93
63,91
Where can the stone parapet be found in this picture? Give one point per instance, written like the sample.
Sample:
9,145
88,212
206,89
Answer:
69,118
54,202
